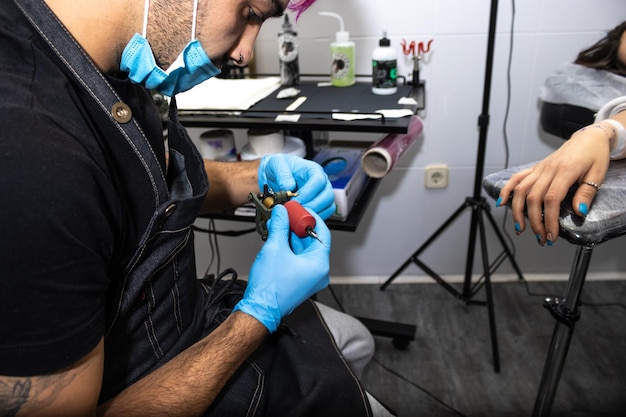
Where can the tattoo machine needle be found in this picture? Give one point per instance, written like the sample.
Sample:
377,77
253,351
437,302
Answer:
301,221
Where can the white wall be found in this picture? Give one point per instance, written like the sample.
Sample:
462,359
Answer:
403,214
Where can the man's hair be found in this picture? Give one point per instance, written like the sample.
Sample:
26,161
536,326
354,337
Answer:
299,6
603,54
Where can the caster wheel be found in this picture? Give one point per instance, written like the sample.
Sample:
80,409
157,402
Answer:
400,343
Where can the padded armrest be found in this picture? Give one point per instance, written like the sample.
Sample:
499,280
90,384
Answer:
563,120
607,214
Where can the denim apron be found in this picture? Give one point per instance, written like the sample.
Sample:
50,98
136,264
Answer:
157,307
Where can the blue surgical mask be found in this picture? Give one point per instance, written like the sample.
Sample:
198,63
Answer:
192,66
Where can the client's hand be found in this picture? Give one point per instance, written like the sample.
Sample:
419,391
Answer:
583,159
291,173
280,279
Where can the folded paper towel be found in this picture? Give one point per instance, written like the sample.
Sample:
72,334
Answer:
225,94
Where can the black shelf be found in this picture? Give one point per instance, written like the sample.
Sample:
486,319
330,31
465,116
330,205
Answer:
243,122
316,113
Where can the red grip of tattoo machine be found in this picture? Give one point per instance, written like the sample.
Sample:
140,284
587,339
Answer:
300,220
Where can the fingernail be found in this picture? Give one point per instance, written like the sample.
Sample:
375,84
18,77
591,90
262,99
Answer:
582,207
549,239
518,229
538,236
498,201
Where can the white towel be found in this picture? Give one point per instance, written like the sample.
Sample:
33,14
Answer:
227,94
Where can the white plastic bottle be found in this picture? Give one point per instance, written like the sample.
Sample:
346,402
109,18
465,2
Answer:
384,68
342,56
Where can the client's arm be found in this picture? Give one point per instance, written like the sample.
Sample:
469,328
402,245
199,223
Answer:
583,159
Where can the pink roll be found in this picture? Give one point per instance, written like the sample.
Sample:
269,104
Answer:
381,157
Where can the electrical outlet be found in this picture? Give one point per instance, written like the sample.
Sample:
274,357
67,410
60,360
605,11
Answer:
436,176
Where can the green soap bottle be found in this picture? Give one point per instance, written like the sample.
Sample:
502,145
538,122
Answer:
342,56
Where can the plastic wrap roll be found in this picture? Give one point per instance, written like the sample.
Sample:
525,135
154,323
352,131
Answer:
381,157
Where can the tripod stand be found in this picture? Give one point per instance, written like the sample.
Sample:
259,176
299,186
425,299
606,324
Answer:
480,210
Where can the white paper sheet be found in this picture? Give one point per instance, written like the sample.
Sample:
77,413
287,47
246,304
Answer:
220,94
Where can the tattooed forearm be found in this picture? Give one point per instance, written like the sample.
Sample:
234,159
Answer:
71,391
31,393
14,393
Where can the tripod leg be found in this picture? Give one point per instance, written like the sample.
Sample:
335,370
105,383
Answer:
425,245
471,250
502,242
566,314
398,271
489,294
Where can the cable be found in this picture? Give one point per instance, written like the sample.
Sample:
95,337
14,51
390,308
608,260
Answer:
508,82
214,245
391,371
505,135
230,233
332,292
599,305
397,374
532,294
215,250
614,304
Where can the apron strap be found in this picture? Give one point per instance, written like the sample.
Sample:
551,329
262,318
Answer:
94,82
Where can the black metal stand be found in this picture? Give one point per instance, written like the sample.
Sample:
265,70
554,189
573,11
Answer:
480,209
566,313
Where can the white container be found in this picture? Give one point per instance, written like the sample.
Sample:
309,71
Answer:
293,146
218,145
384,68
263,142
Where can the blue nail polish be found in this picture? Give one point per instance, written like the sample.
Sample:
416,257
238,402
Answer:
518,228
582,207
498,201
549,242
538,236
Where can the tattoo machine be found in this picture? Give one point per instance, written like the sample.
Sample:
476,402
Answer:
300,221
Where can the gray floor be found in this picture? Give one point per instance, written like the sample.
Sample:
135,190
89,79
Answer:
450,361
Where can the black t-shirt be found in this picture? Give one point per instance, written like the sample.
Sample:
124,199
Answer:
60,212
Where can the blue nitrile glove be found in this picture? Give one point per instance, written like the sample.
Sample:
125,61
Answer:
291,173
280,280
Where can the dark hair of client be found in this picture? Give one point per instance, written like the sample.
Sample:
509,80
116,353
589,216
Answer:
603,54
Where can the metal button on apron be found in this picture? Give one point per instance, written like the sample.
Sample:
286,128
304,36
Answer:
170,209
121,112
